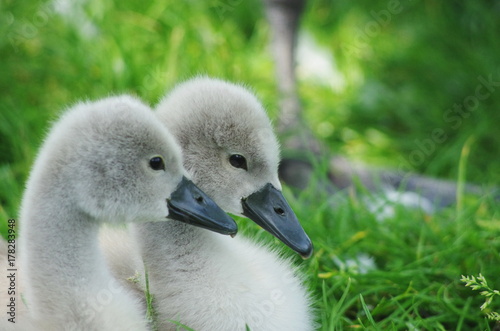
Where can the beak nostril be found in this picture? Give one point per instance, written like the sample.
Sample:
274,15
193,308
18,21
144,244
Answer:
199,199
279,211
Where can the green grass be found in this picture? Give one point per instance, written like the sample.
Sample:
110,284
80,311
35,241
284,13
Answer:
398,86
419,261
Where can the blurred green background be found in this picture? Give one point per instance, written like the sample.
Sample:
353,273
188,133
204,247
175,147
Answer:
398,68
396,71
390,83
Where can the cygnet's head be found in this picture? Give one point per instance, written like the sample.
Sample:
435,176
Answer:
231,152
114,161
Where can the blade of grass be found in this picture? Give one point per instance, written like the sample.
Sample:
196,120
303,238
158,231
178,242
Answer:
337,308
367,312
462,173
465,310
150,311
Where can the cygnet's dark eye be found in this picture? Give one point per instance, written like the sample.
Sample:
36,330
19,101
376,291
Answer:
238,161
156,163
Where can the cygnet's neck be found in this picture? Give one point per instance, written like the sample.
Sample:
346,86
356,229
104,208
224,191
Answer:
62,262
169,248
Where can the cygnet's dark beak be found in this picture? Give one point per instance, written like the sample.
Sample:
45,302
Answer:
191,205
269,209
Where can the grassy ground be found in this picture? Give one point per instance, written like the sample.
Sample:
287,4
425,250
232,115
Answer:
401,75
